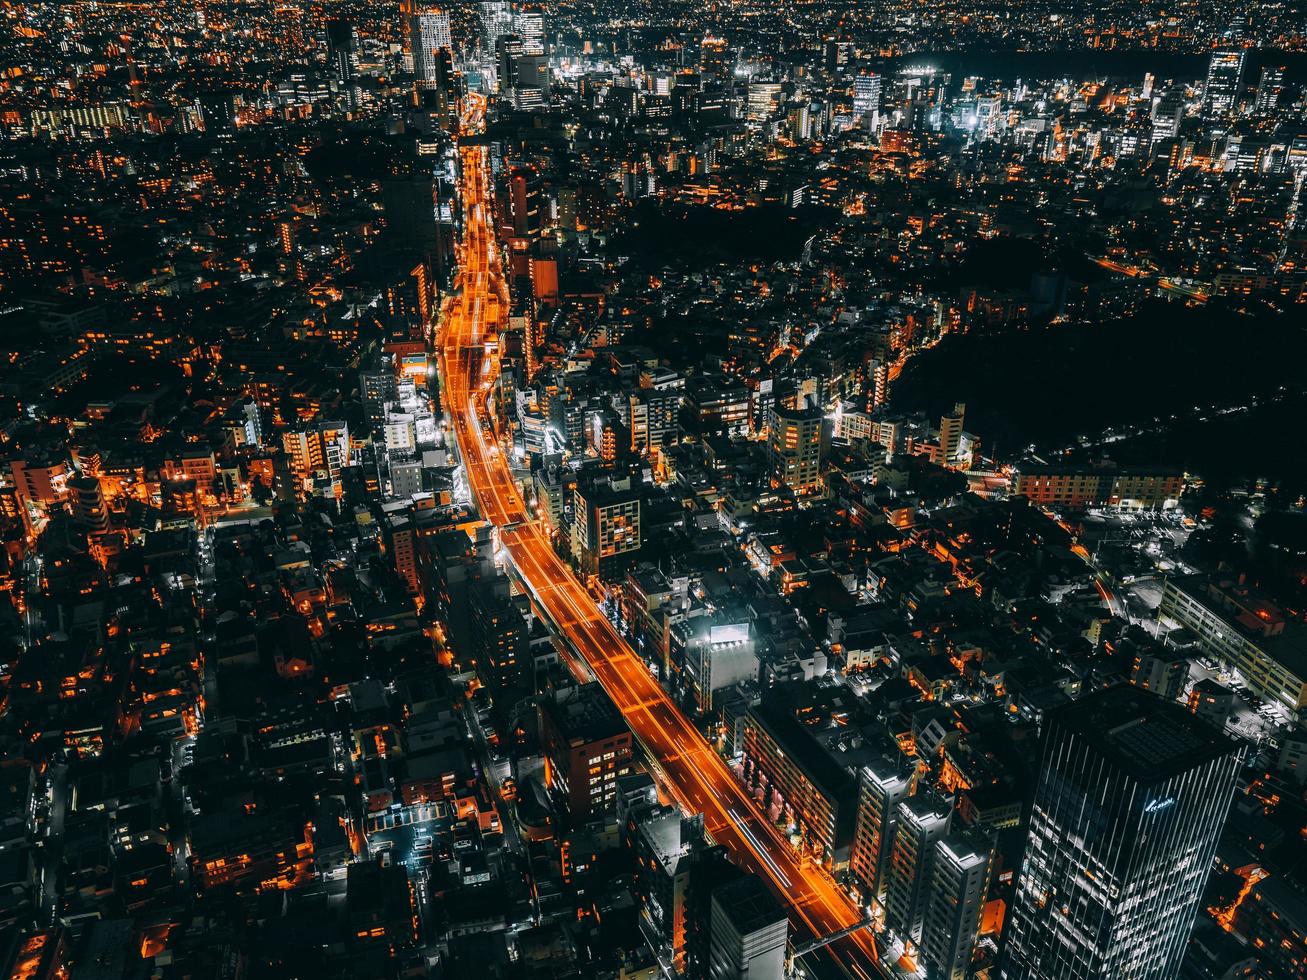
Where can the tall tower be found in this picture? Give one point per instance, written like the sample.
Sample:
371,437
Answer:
1269,87
866,98
960,878
1132,796
1224,81
923,820
529,25
882,785
496,21
429,33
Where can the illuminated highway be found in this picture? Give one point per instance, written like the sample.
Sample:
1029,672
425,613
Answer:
690,770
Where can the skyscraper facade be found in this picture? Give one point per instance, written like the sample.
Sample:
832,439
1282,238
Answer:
866,97
1132,795
1224,80
429,34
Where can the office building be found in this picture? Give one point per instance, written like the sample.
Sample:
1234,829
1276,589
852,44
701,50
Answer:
923,820
866,98
587,748
496,21
749,930
1224,81
429,34
1132,795
529,25
1269,88
882,785
960,876
1167,114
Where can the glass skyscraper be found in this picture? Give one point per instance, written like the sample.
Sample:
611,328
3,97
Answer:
1132,795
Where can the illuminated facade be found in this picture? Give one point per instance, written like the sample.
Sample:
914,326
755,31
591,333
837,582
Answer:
606,527
814,793
882,786
1224,81
794,447
1240,628
1123,488
1132,796
587,748
960,877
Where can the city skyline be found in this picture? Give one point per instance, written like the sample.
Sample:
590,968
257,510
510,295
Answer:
689,491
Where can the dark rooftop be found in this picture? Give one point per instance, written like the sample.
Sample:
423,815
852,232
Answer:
1145,735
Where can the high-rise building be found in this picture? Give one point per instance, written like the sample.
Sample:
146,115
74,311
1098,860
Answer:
529,25
922,821
762,99
496,21
959,880
1167,114
508,51
716,57
1132,796
794,447
950,435
606,527
1269,87
665,844
866,98
377,386
90,512
429,33
749,930
882,785
499,637
1224,81
526,205
342,50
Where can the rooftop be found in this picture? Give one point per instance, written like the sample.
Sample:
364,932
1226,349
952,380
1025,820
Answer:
1145,735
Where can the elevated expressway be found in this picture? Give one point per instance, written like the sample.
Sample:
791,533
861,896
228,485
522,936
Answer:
688,769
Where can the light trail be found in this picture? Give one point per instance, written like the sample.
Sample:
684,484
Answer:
691,770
